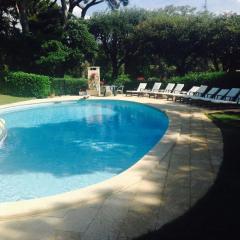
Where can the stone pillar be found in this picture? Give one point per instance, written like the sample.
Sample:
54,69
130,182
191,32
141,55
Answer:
93,81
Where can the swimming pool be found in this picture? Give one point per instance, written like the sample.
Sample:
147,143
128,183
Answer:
56,148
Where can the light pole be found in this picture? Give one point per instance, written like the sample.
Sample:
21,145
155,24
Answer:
205,6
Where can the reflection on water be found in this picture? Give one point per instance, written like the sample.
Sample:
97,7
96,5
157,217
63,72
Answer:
60,147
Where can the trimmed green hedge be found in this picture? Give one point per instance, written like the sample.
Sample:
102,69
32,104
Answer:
39,86
212,79
27,85
33,85
68,86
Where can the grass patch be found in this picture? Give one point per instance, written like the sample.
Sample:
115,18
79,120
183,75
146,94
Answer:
5,99
216,215
226,118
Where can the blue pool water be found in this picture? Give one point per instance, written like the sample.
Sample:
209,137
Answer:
55,148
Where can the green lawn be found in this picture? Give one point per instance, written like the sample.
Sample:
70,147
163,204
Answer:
228,118
5,99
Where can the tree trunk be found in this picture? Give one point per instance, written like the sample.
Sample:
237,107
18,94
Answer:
84,12
224,64
115,69
215,63
64,13
181,68
22,11
85,9
71,7
233,63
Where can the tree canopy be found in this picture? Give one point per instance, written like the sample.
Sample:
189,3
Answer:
69,5
23,11
160,43
115,31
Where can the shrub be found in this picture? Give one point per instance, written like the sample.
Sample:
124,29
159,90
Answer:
217,79
154,79
27,85
122,80
68,86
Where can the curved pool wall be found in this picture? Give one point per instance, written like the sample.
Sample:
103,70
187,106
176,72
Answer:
124,129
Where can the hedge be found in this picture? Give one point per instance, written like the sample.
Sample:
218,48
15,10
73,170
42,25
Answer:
27,85
212,79
33,85
68,86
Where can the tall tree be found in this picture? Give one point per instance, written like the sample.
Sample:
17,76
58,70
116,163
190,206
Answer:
176,38
114,31
223,41
69,5
7,18
23,10
21,7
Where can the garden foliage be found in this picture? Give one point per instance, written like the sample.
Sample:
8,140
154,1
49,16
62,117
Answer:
212,79
68,86
176,43
27,85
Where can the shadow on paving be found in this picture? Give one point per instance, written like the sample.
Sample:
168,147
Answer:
216,215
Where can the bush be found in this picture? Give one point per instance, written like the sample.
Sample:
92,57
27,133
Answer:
68,86
27,85
212,79
122,80
154,79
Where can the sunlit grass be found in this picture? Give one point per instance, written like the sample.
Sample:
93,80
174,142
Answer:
5,99
228,118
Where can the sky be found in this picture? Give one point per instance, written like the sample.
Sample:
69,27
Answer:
216,6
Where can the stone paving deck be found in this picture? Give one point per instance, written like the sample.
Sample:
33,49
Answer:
163,185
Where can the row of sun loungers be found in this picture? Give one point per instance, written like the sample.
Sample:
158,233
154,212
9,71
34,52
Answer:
197,94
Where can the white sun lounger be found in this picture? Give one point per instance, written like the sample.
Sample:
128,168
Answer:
177,90
140,88
208,101
220,94
228,98
207,97
154,89
179,96
200,92
168,89
235,102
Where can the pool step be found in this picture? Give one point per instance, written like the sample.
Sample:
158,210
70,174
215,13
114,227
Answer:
3,131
